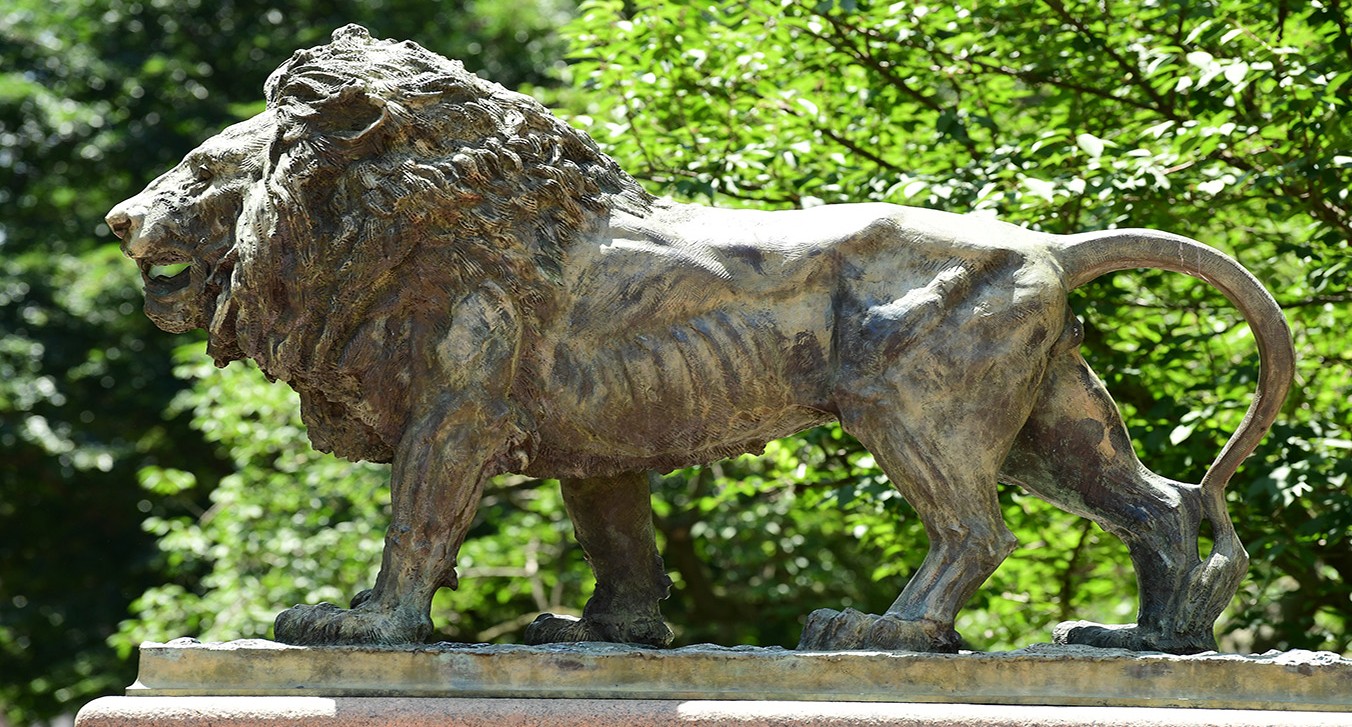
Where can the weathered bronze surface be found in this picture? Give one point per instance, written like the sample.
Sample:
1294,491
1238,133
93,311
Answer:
461,284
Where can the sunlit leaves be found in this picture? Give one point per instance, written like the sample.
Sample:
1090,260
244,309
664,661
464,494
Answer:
1216,120
1224,119
98,97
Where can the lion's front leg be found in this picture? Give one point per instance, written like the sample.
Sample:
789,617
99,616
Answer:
437,482
461,428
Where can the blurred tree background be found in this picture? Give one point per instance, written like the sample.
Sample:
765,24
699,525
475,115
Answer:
98,97
145,495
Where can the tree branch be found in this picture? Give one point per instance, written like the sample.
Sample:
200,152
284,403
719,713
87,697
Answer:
855,148
1038,77
656,176
867,58
1320,208
1318,300
1133,72
885,72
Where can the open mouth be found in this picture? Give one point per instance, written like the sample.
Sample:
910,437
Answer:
166,276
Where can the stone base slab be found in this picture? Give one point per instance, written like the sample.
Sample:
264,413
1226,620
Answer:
1040,675
458,712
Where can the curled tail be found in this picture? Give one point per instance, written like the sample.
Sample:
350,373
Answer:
1086,256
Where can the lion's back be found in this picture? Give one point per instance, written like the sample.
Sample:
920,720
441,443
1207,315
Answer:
697,332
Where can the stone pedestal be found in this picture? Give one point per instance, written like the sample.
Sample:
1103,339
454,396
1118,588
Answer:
448,712
185,683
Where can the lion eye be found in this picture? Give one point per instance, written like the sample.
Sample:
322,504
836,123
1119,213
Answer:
201,173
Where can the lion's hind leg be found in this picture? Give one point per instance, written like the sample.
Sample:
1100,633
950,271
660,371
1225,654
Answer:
1075,453
941,446
951,483
612,518
940,412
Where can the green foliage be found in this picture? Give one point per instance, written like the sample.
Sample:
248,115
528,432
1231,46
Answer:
285,518
97,97
1223,119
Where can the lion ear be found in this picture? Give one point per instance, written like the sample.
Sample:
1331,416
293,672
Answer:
350,115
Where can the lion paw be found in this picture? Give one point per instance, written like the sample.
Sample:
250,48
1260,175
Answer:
851,630
830,630
361,597
325,624
548,628
1130,637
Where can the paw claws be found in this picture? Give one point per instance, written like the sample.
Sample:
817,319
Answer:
548,628
1130,637
325,624
851,630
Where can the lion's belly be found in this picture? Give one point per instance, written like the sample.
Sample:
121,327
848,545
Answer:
720,384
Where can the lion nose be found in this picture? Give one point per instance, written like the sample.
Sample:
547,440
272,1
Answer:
119,222
123,220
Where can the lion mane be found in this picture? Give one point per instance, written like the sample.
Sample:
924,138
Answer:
396,183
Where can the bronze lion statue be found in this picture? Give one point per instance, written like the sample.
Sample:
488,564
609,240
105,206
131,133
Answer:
461,284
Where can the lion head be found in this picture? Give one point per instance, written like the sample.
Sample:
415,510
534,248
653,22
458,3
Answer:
181,229
391,183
